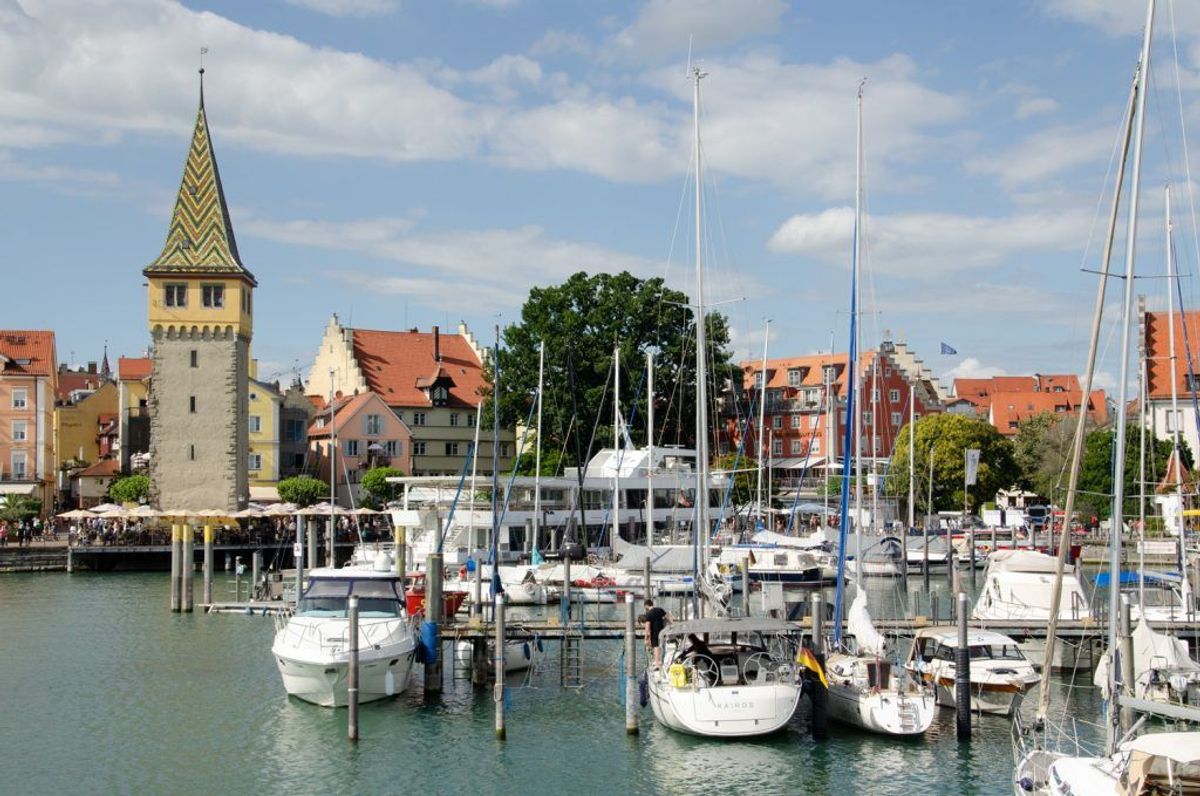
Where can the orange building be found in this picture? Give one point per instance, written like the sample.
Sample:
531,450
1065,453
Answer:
28,386
1006,401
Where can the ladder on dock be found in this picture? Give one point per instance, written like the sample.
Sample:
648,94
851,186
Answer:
570,661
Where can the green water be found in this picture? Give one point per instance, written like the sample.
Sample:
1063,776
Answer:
105,691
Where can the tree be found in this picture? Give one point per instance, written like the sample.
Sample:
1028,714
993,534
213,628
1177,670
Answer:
1042,451
948,435
375,487
744,480
1096,477
580,321
16,508
130,489
526,463
302,490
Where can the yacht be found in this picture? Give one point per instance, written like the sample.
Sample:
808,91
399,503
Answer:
739,682
1163,671
311,647
1000,672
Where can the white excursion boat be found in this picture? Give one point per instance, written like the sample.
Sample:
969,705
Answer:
1000,672
1019,584
312,648
741,682
863,690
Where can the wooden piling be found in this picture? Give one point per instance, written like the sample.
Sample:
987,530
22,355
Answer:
498,692
400,552
176,568
187,571
208,563
962,674
433,613
238,568
631,686
819,694
352,671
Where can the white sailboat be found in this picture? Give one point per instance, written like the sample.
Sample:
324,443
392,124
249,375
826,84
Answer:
721,676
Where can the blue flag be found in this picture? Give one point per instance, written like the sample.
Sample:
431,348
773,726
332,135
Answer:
948,350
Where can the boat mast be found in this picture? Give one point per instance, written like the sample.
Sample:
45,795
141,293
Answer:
1141,479
1115,521
1174,379
497,587
858,484
537,461
762,422
1081,422
649,452
702,529
616,457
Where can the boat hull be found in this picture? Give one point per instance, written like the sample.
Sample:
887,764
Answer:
723,712
886,712
326,683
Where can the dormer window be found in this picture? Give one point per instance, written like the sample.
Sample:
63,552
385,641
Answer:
439,395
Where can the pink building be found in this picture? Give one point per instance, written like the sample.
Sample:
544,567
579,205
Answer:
28,383
368,435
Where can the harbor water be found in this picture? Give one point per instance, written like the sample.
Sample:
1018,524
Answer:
105,691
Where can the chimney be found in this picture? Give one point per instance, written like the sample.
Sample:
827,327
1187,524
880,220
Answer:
437,345
91,367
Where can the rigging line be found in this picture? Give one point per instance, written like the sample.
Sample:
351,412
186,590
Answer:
457,493
1183,134
1187,352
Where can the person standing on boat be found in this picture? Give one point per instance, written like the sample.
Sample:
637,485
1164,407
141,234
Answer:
653,621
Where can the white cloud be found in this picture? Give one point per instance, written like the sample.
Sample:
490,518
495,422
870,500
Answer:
555,42
348,8
972,368
1047,153
1125,17
925,244
663,27
475,270
1035,106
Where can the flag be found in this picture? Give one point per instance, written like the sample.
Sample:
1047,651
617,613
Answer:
948,351
809,661
972,464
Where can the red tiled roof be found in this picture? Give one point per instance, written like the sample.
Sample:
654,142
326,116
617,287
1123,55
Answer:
29,353
1013,407
1158,353
133,368
71,380
103,469
344,409
396,364
317,401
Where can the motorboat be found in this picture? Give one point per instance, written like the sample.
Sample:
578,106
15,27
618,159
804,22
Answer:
1019,585
1000,672
771,564
1157,596
740,682
414,597
312,648
863,689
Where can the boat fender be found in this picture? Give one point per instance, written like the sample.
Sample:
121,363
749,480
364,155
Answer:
537,640
525,650
429,642
643,690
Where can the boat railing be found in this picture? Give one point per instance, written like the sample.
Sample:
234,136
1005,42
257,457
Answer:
333,639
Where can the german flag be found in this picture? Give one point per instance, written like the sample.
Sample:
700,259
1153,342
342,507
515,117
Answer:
809,661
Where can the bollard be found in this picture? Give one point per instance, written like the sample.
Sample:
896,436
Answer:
70,560
744,567
299,555
498,692
647,588
352,671
631,686
187,570
176,568
433,613
818,623
1125,641
962,674
208,564
820,694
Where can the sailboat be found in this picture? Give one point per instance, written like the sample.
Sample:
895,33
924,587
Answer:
863,690
721,676
1128,764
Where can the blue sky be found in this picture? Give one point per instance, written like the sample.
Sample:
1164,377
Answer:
411,163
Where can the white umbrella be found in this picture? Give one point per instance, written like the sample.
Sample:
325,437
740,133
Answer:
103,507
77,514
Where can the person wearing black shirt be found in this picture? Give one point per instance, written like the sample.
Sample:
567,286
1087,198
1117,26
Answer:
653,621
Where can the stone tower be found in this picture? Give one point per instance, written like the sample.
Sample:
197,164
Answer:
200,310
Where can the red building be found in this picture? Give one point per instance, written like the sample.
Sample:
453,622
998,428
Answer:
1006,401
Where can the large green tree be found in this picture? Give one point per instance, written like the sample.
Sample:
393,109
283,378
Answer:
1096,476
580,322
376,489
130,489
302,490
948,435
1042,450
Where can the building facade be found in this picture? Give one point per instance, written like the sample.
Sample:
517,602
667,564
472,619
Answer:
133,410
368,435
265,407
295,415
1007,401
28,384
433,382
200,311
1163,375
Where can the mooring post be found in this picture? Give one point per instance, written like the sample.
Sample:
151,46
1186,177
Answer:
527,548
331,552
255,572
176,568
962,674
433,616
631,686
352,671
400,552
477,592
208,563
238,569
647,593
933,605
70,561
498,692
744,568
187,571
299,556
819,694
566,590
1125,640
479,662
311,530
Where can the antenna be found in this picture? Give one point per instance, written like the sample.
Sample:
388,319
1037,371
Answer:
688,71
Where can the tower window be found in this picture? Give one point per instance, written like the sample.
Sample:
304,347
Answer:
195,358
175,295
192,452
192,404
213,295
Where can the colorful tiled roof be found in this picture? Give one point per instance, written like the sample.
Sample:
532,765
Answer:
1158,353
133,368
200,239
27,353
103,469
397,364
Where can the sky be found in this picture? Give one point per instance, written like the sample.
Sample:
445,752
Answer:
409,163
